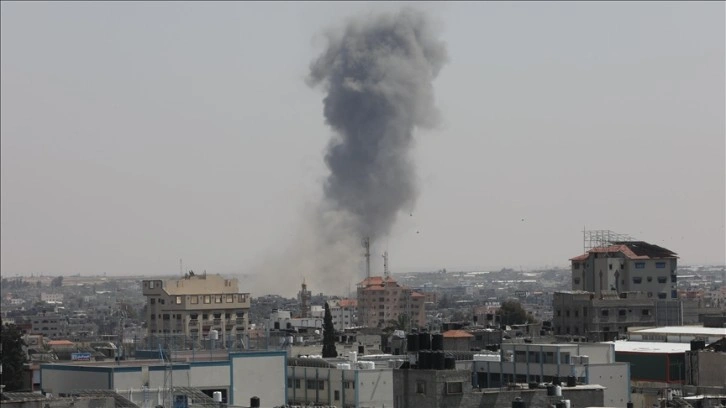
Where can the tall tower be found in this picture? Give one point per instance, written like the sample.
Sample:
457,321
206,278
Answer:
386,272
304,298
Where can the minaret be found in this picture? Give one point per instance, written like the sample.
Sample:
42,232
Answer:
304,298
367,246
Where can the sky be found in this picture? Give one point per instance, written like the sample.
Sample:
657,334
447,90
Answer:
136,134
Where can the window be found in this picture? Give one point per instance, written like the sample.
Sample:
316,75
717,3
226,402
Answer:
205,316
151,284
241,298
456,387
637,279
421,387
217,298
621,312
575,265
348,385
194,300
674,293
297,383
311,384
152,301
646,312
321,384
207,299
577,313
584,312
660,265
559,313
178,300
289,383
576,280
336,395
605,312
610,266
662,295
674,279
230,298
662,279
640,265
162,301
567,313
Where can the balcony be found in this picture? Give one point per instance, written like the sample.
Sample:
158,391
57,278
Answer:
217,322
240,322
194,323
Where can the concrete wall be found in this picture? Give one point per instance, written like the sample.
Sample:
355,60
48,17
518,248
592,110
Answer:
260,374
78,402
210,374
62,379
374,388
615,378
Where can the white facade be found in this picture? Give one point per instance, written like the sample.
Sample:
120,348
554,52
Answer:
343,313
51,297
677,334
587,362
242,376
282,320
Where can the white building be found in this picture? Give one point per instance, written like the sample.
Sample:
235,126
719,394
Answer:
589,363
51,297
239,378
343,312
282,320
677,334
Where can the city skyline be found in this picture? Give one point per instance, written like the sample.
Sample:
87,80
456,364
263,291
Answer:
138,134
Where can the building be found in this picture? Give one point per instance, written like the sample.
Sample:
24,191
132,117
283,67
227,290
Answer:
343,312
706,366
414,388
627,266
603,317
587,363
458,340
677,334
51,297
196,305
283,320
238,378
50,325
340,383
382,299
304,297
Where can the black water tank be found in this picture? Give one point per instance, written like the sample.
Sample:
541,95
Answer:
424,341
533,385
437,341
438,360
560,404
412,342
629,405
556,381
518,403
255,402
697,345
571,381
550,390
450,363
424,359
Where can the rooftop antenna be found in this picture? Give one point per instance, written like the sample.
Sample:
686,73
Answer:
386,272
367,246
181,268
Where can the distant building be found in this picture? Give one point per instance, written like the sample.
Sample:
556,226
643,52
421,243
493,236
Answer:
627,266
195,305
382,299
51,297
50,325
343,312
304,297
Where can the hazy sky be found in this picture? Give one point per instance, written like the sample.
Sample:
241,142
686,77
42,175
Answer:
135,134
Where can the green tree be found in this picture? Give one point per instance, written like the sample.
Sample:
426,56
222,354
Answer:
12,357
401,323
512,312
329,350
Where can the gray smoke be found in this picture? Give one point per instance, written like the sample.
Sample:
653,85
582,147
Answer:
378,75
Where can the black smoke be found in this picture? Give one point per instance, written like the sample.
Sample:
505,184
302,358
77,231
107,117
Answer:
377,73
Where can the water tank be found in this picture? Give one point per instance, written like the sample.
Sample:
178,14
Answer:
450,363
217,396
438,359
343,366
571,381
518,403
697,345
556,381
352,357
437,342
629,405
367,365
412,342
424,359
424,341
214,335
558,391
550,390
255,402
567,403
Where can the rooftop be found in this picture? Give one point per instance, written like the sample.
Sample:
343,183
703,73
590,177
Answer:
649,347
699,330
632,250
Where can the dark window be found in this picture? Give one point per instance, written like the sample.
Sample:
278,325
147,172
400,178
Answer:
674,293
640,265
646,312
621,312
674,279
153,301
649,279
454,387
605,312
577,281
660,265
637,279
337,395
575,265
662,279
610,266
421,387
662,295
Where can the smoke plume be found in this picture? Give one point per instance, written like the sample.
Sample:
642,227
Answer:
377,73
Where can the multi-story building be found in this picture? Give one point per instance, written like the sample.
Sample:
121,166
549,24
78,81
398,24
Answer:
196,305
382,299
627,266
586,363
581,314
343,312
51,297
51,325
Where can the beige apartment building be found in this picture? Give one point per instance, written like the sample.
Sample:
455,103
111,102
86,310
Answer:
195,305
382,299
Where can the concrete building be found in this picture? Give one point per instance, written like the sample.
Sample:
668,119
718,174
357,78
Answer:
677,334
195,305
51,297
342,384
588,363
600,317
706,367
239,377
458,340
283,320
382,299
453,388
50,325
343,312
627,266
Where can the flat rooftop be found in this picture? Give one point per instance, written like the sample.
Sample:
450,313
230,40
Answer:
709,331
649,347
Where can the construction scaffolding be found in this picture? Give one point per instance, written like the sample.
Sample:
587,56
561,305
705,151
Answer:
602,238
